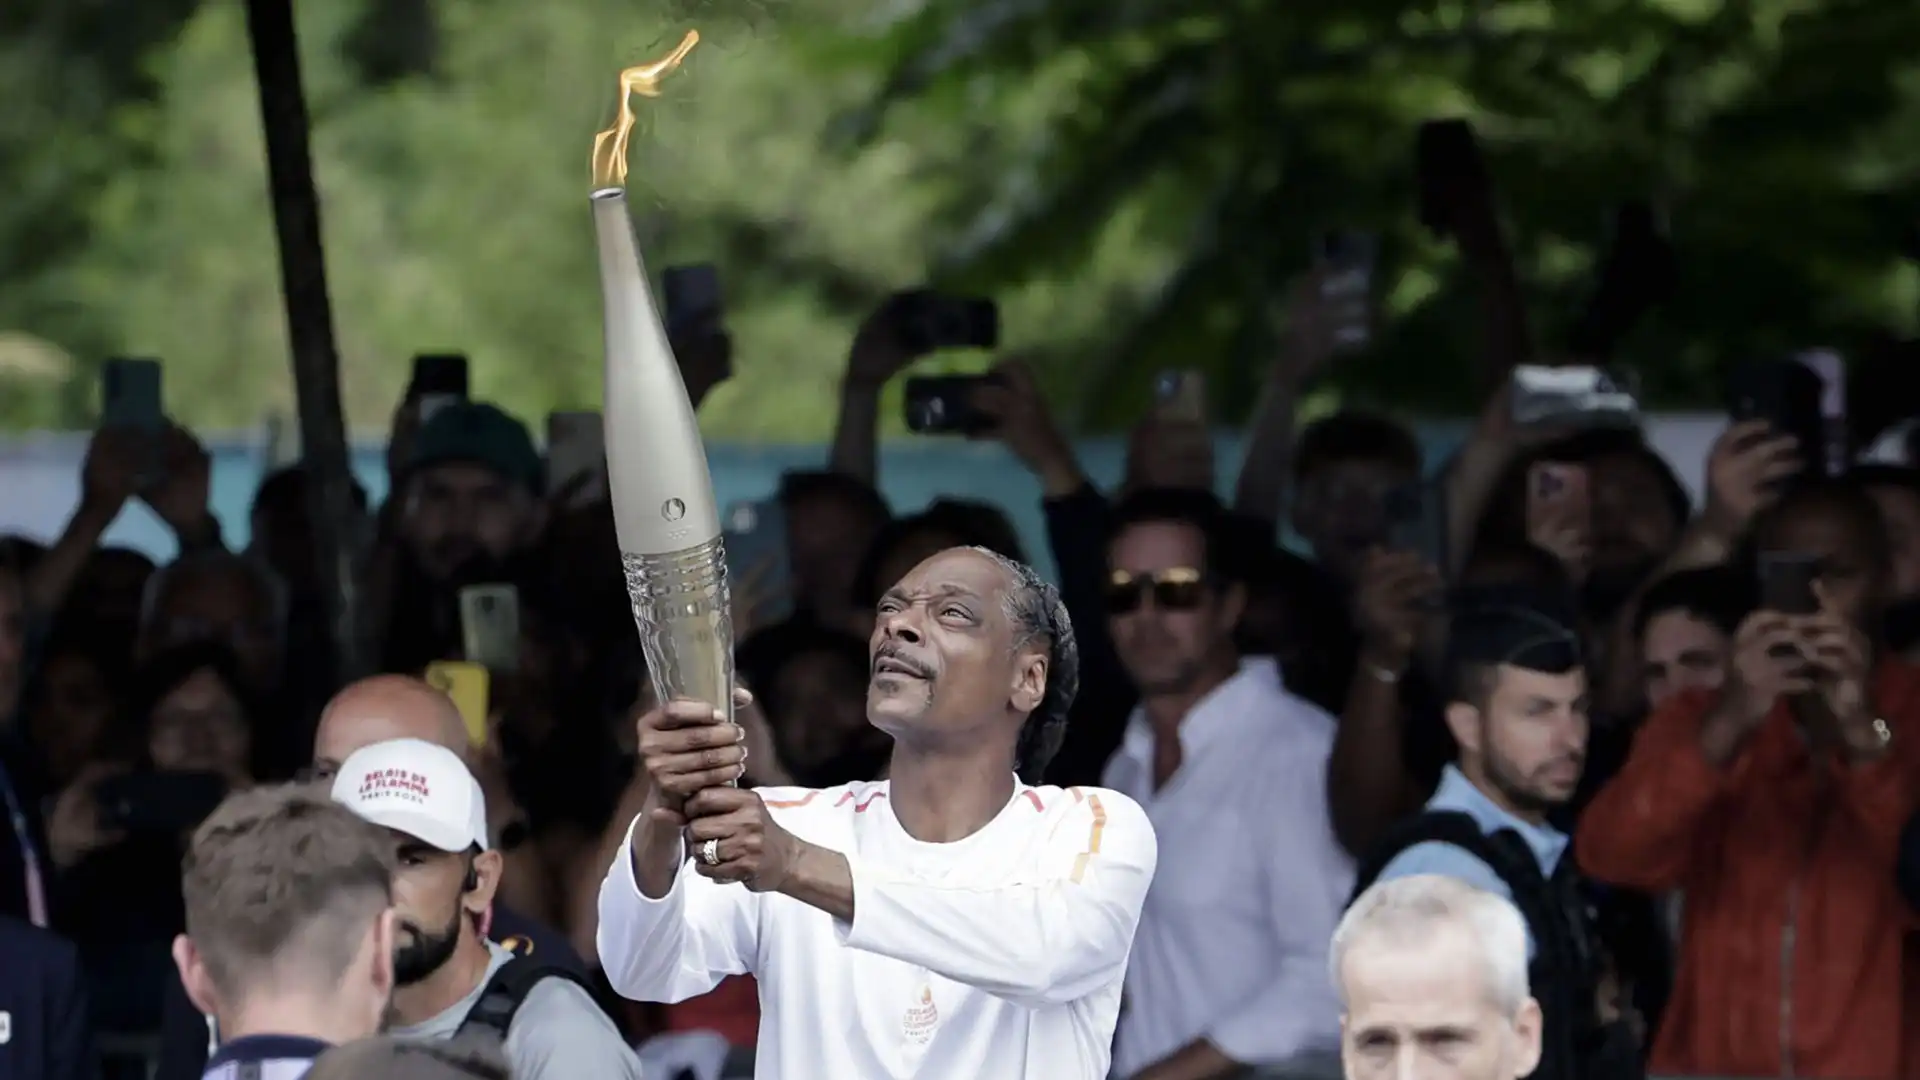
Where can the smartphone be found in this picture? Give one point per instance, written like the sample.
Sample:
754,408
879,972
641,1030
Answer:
1345,263
943,405
1558,487
1639,271
439,380
1832,369
1180,396
930,321
755,536
1447,165
1577,397
490,626
1789,396
468,685
1416,522
691,296
577,458
1786,582
159,802
130,395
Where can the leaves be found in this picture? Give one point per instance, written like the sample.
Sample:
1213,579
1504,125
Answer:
1769,132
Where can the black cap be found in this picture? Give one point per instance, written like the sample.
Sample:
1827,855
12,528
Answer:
1534,633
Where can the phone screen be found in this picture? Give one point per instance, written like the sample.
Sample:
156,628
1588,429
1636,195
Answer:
439,374
758,561
1181,396
130,395
577,457
691,295
490,626
1832,369
1786,582
1345,263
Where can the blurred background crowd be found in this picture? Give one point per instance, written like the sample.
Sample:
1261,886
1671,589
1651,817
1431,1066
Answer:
1643,606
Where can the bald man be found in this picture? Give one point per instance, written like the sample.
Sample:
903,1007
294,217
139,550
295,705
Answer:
381,709
373,710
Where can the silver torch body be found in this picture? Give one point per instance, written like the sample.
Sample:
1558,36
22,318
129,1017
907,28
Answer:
663,504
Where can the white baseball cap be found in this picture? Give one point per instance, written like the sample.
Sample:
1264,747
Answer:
415,787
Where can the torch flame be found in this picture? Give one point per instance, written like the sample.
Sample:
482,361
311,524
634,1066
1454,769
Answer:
610,146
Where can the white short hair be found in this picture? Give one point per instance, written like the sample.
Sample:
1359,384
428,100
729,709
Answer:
1412,910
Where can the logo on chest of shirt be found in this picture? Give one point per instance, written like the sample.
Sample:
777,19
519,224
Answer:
921,1019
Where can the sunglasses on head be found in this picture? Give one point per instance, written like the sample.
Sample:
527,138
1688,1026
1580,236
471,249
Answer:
1177,589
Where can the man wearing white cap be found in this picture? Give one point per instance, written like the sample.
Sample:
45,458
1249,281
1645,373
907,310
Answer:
448,977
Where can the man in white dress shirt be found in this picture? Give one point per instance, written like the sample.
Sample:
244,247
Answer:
949,923
1229,966
1433,975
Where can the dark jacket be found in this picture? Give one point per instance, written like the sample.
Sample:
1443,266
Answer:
43,1007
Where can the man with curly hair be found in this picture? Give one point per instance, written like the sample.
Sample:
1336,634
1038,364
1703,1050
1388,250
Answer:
951,920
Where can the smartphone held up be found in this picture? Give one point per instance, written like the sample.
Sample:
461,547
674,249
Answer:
438,380
1344,263
944,405
490,626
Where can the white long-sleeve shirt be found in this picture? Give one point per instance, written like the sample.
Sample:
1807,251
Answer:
999,955
1233,940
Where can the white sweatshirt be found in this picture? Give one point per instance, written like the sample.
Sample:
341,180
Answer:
997,956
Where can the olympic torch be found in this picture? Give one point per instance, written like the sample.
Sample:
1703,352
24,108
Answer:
663,505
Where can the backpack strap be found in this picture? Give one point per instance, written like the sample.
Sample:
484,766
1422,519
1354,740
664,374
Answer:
505,992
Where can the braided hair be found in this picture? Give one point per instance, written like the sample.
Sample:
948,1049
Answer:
1036,611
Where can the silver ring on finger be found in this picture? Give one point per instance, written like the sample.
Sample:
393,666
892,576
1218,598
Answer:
710,852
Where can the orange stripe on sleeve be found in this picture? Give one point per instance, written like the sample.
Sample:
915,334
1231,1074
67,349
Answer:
1093,838
788,804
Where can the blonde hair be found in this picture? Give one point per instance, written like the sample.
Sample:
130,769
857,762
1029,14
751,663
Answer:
283,879
1411,910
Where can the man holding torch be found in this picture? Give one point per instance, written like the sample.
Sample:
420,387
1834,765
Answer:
948,922
951,921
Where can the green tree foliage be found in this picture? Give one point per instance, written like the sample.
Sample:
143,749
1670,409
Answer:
1777,136
1135,180
451,147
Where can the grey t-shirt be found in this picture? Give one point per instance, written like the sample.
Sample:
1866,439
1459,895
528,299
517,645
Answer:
558,1034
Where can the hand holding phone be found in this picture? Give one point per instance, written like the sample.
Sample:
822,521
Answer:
1789,396
131,408
490,626
1560,512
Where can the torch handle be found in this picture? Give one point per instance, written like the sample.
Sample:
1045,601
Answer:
684,610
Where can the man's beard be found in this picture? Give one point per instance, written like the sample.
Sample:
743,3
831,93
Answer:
417,959
1510,784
